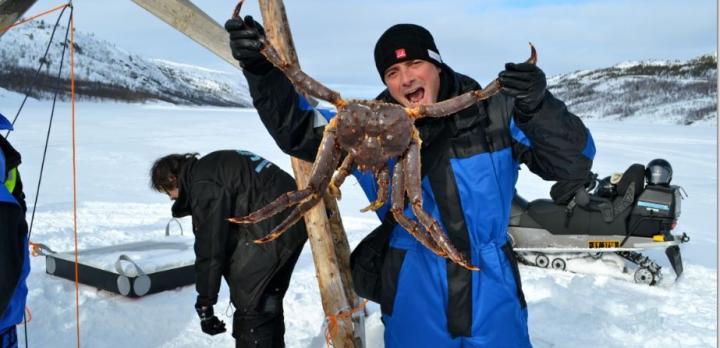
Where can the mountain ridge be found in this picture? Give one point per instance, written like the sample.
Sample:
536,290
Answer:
667,91
105,71
671,91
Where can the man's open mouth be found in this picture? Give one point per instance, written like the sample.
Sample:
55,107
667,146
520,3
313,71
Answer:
416,96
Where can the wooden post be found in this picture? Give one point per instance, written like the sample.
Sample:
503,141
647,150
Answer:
190,20
11,10
342,251
328,241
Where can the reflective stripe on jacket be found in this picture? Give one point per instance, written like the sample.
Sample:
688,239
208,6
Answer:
7,180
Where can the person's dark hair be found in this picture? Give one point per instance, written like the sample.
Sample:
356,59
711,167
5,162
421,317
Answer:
165,170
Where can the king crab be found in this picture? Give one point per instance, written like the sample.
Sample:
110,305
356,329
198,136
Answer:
371,133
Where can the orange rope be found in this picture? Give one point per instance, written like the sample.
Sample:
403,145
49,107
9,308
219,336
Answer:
35,249
74,173
33,17
331,330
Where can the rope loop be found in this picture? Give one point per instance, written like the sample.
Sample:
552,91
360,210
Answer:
332,328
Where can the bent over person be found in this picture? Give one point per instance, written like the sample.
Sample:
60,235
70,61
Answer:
212,189
470,163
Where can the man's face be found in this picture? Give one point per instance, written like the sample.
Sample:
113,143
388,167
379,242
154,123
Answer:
413,82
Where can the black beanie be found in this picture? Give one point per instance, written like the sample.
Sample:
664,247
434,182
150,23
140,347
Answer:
403,42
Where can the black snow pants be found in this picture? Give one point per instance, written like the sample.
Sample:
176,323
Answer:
264,327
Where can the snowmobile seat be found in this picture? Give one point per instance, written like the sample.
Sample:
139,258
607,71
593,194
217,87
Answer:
552,217
589,214
555,219
518,213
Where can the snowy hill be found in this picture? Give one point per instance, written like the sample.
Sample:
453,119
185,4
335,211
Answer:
105,71
681,92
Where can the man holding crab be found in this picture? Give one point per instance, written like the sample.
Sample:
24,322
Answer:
470,162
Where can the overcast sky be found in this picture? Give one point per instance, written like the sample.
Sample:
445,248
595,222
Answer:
335,39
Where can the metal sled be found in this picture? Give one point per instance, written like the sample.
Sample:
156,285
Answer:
132,269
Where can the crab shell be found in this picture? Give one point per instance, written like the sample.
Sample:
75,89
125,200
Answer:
373,132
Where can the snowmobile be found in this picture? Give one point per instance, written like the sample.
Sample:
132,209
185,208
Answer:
609,223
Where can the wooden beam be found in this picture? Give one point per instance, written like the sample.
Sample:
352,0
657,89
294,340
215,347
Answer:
328,241
190,20
342,251
11,10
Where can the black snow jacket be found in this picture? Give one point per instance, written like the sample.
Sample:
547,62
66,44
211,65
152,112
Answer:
226,184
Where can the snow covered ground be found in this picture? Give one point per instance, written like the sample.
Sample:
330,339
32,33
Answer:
118,142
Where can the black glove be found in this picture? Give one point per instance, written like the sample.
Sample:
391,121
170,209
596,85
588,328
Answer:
209,323
245,44
526,82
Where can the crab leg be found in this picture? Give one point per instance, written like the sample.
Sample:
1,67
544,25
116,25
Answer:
320,175
286,200
292,219
412,175
462,101
383,179
398,205
339,177
298,78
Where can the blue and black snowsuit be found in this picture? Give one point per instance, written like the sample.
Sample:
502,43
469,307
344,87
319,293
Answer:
470,163
14,255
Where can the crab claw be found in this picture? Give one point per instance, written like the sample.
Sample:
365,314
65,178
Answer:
268,238
467,265
240,220
236,11
373,206
334,191
533,55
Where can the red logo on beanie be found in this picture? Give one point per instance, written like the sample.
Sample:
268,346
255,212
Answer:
400,53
